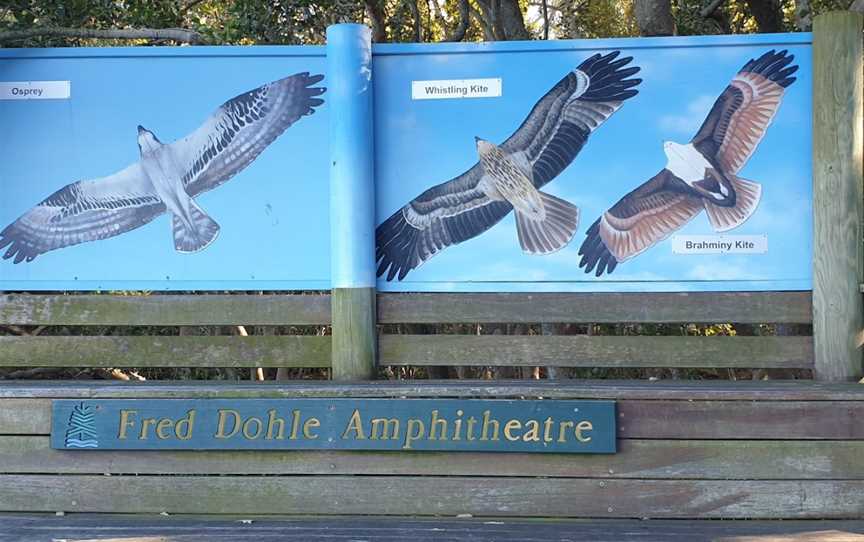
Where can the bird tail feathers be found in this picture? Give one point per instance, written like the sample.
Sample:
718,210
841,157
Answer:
553,232
747,196
204,231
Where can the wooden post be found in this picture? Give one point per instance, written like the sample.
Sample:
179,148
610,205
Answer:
352,201
838,201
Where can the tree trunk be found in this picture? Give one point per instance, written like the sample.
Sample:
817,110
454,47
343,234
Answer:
654,17
173,34
512,20
767,13
803,15
375,12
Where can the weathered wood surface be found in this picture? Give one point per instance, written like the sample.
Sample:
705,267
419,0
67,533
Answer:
596,351
165,351
314,309
657,419
674,459
740,307
686,390
164,310
354,334
150,529
25,416
838,194
426,495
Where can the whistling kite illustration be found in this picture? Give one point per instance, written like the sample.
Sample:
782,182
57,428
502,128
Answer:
167,177
510,175
700,175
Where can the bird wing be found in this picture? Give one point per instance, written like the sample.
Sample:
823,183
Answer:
83,211
237,132
639,220
444,215
741,115
560,123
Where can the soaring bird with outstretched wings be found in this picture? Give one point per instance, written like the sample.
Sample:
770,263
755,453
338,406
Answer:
702,175
509,176
167,177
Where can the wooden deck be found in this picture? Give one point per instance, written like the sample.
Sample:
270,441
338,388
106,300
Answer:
355,529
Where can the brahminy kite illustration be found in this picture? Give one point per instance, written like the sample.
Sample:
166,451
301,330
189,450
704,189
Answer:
509,176
167,177
701,175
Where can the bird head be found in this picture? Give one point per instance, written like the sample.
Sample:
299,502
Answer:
483,146
147,142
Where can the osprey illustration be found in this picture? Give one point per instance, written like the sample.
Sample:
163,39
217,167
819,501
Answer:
167,177
509,176
701,175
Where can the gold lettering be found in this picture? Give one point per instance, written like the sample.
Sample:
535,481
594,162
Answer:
295,424
433,426
584,425
188,422
547,430
457,426
533,433
510,426
355,424
145,428
308,426
471,422
125,422
410,434
487,422
164,425
259,426
384,424
220,427
272,420
562,430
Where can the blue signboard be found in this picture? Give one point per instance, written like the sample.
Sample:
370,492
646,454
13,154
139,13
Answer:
648,164
164,168
343,424
598,165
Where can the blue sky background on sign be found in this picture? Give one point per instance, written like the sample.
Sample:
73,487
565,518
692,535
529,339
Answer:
434,142
555,431
273,214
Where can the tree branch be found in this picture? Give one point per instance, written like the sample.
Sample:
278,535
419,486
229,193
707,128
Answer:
545,8
488,32
418,23
462,28
711,8
174,34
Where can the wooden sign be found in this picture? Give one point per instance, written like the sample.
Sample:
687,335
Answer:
345,424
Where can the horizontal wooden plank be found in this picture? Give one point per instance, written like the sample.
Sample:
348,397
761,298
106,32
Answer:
426,495
644,419
671,459
596,351
164,310
165,351
740,307
685,390
741,419
25,416
17,528
141,528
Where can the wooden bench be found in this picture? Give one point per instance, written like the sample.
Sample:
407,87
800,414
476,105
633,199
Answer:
688,449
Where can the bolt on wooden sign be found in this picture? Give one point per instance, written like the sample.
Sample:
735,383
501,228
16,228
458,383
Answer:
345,424
648,164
